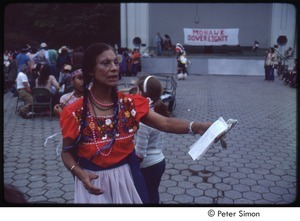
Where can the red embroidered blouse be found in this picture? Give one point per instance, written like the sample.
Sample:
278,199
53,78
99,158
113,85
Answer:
131,109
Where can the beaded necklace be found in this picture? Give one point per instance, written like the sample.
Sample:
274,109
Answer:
94,119
98,102
100,108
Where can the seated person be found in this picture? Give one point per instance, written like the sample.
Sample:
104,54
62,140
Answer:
24,91
47,80
168,42
293,75
255,45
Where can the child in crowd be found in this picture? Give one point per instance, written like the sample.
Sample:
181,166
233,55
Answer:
149,142
66,99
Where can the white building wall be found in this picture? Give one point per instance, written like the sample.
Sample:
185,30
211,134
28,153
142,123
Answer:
283,23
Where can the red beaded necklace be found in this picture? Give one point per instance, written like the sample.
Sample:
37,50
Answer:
99,103
93,127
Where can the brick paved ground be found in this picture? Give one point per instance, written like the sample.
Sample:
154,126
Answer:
259,166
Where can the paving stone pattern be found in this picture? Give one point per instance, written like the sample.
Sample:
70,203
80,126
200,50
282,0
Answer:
257,168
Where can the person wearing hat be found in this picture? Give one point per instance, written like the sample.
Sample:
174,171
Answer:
181,62
24,91
63,58
42,56
23,58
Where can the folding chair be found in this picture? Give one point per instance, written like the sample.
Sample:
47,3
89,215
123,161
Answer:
42,99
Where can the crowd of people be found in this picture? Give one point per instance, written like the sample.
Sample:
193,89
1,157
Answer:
49,68
274,61
130,61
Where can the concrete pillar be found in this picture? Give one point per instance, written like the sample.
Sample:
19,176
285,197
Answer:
134,23
283,23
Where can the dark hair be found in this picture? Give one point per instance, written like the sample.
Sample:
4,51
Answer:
44,75
154,90
89,63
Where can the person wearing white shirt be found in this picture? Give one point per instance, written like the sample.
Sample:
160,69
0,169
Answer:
149,142
24,91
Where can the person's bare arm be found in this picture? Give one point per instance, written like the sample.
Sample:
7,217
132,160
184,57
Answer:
71,165
173,125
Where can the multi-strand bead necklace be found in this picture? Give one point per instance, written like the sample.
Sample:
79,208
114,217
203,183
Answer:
95,120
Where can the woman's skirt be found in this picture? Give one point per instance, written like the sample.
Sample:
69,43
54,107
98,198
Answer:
117,184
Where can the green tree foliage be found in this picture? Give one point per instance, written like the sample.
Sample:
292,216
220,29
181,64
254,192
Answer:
73,24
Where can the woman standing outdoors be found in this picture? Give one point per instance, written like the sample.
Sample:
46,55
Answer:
98,132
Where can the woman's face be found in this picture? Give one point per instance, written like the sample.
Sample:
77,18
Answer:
106,71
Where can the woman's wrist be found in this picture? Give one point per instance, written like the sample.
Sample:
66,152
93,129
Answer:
74,168
191,131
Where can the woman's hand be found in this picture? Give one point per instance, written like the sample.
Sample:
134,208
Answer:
200,128
87,178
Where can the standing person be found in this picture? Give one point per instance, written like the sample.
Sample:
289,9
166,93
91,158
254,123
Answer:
265,65
270,64
42,56
23,58
24,91
182,62
12,73
158,41
69,98
135,62
31,52
168,42
149,142
53,56
63,58
98,132
65,77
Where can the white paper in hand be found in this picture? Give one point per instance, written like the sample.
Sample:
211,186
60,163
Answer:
199,148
